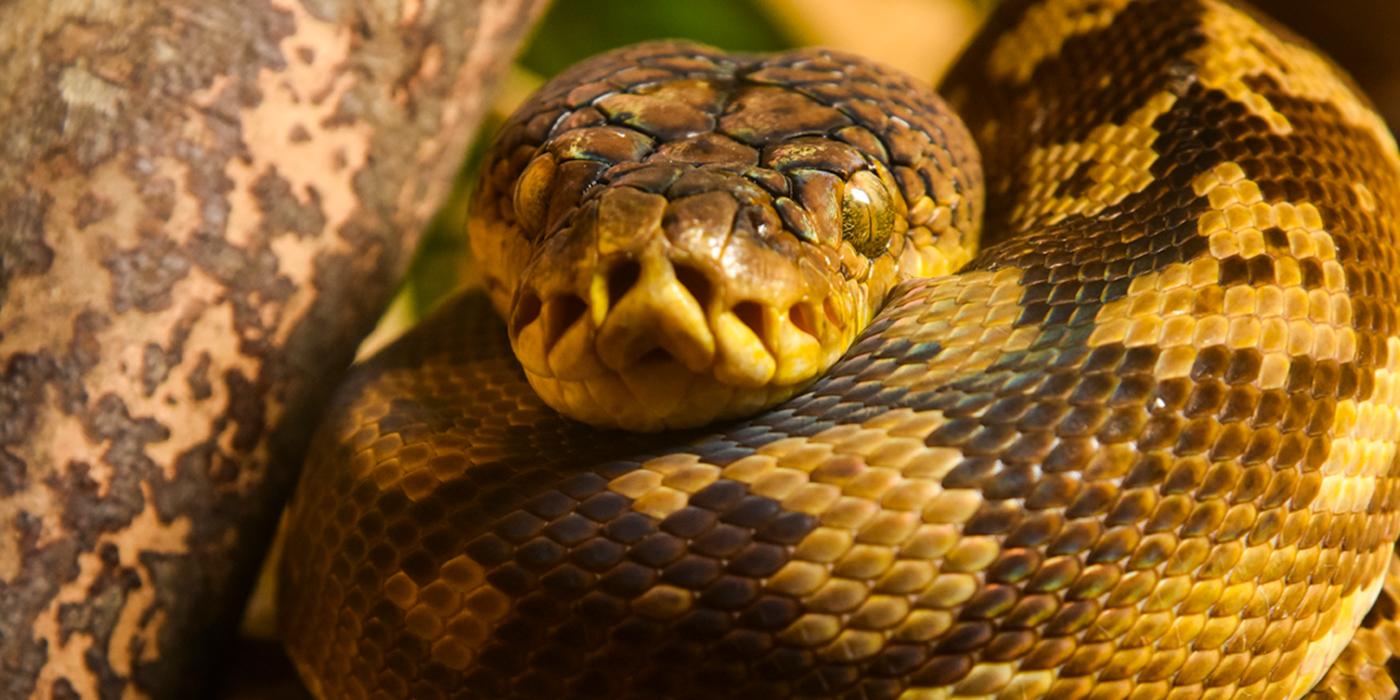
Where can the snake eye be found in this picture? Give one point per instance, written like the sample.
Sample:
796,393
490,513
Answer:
867,214
532,192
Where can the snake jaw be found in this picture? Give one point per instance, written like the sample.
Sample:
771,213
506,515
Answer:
677,295
628,317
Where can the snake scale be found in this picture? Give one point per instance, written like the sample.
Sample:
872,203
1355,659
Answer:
1138,440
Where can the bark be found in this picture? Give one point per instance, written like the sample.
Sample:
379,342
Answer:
202,206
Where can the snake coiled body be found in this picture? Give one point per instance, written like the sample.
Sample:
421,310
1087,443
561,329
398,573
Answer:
1142,446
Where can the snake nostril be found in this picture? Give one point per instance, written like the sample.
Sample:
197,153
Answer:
804,317
751,314
694,282
655,356
563,311
621,278
527,309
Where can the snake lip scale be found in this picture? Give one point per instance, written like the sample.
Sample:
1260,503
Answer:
1124,427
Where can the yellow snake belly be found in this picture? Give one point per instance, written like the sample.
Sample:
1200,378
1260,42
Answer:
1142,446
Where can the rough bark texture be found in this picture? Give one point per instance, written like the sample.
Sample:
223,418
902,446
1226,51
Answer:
202,207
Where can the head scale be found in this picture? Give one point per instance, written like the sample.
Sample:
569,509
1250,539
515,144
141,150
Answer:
677,235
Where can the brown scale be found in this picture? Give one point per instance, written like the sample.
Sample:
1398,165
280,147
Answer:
992,493
859,111
1297,437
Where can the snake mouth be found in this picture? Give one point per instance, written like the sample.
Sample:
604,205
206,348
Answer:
655,345
647,311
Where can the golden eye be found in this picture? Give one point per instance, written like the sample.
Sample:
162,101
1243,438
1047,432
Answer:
531,199
867,214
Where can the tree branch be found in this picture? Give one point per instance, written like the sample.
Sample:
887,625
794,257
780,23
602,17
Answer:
202,208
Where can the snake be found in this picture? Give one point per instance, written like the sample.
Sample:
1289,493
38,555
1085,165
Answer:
787,378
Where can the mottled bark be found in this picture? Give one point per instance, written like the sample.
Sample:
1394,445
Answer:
202,207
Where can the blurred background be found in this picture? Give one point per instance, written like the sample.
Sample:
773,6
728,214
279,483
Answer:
921,37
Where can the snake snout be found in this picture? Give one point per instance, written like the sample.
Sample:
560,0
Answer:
631,318
647,313
606,297
636,312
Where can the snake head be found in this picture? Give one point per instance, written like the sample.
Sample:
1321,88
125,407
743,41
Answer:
676,235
